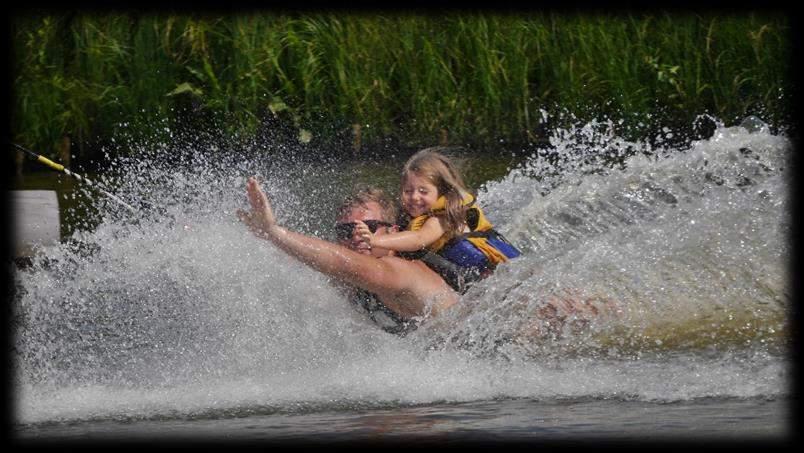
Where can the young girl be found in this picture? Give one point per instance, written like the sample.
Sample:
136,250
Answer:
444,219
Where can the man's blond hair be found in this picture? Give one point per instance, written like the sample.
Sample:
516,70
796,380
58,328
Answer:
362,195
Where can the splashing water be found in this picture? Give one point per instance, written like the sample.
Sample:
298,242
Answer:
678,257
689,249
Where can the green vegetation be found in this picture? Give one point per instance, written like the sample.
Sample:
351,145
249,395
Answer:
417,79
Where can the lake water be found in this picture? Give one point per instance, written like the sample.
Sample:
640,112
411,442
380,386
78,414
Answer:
177,324
515,420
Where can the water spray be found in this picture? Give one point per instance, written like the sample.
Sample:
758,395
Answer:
63,169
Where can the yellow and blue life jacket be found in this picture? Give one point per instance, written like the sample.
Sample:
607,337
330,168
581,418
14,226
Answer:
480,250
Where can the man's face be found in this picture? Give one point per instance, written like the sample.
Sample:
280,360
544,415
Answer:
364,212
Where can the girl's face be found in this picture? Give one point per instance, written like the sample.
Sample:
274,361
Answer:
418,194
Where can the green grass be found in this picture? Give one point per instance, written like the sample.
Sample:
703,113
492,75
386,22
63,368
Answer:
479,78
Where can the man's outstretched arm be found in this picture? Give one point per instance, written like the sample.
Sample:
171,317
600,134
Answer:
359,270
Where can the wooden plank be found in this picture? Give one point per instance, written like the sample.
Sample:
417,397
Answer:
36,220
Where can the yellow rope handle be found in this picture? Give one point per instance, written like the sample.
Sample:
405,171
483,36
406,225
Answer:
50,163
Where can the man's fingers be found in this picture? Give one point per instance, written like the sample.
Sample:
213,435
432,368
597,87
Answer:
244,216
254,189
261,217
254,196
247,219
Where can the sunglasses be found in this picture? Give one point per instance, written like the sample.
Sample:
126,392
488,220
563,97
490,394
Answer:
344,231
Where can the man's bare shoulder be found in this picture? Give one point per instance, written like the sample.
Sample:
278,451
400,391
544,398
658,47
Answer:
409,265
413,272
413,280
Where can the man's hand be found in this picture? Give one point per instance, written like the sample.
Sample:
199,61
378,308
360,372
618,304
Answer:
261,219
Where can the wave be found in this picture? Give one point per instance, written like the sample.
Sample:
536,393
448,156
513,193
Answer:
678,249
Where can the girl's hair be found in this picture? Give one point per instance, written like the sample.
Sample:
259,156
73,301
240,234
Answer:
441,172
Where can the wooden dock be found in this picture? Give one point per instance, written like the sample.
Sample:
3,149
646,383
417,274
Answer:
36,220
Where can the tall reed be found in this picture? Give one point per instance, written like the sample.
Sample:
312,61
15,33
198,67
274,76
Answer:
469,78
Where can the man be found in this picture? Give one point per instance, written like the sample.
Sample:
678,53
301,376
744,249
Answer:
406,289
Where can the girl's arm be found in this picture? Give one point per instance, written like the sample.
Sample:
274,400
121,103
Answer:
404,241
